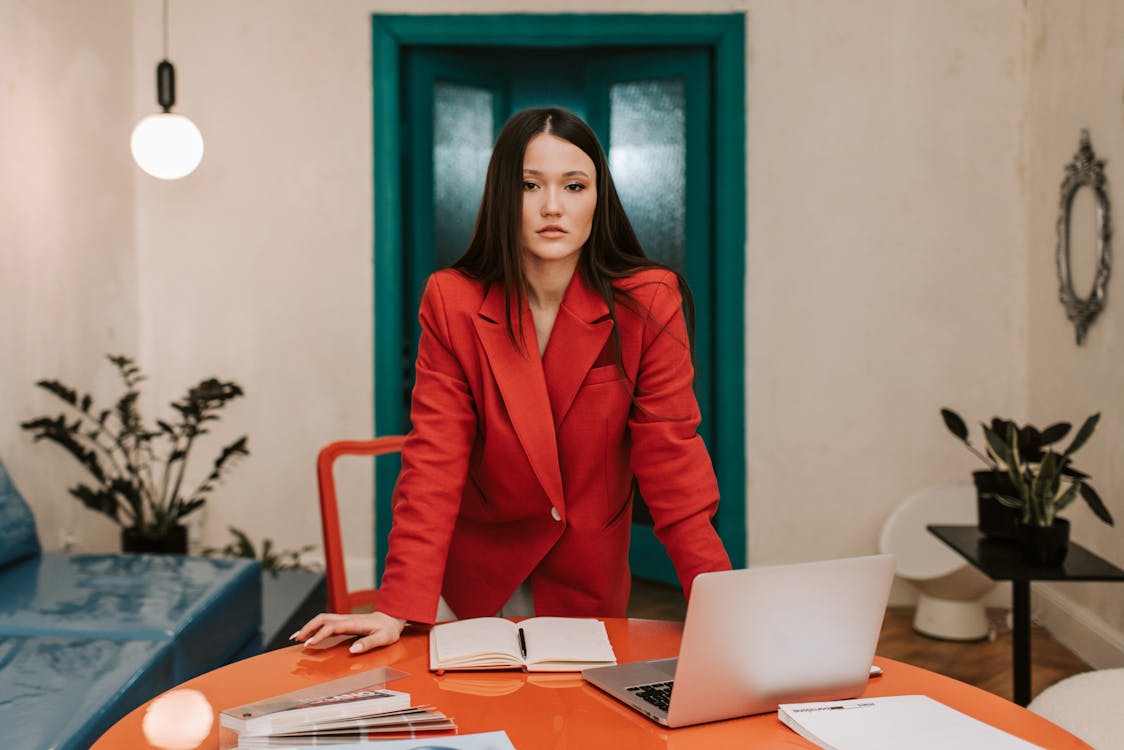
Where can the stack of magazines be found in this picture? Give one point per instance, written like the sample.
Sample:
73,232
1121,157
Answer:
355,708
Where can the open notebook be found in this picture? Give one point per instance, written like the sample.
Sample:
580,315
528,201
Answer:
538,644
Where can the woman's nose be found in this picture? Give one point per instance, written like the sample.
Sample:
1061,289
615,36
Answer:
551,206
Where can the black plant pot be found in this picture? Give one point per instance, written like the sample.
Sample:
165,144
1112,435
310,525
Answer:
172,543
1044,545
997,522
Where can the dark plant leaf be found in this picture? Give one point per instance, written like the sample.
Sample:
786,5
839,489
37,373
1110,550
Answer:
244,547
237,448
1042,490
58,389
1093,500
1073,473
100,500
1055,432
998,446
1067,497
1010,502
58,432
190,506
955,424
1002,426
1083,434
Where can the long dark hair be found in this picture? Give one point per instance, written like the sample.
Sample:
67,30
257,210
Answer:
494,254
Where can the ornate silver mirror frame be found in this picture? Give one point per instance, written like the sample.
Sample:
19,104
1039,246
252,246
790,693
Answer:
1085,170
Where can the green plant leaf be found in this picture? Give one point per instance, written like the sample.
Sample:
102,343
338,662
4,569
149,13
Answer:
1073,473
59,390
1030,443
1067,497
955,424
188,507
1010,502
1054,433
999,446
1043,490
242,544
100,500
1083,434
1093,500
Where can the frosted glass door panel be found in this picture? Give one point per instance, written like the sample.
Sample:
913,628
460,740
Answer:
462,145
648,159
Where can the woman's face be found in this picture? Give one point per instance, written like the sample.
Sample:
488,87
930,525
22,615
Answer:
559,198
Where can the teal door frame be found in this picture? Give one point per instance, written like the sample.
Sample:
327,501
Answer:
724,34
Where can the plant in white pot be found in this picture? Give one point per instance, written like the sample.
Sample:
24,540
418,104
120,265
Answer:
1042,481
138,471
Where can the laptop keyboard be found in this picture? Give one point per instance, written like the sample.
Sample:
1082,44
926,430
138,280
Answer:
656,693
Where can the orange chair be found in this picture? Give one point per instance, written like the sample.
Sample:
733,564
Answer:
340,600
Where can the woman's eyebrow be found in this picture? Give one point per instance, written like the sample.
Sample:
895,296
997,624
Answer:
572,173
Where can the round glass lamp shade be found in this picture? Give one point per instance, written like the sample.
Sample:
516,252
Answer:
167,146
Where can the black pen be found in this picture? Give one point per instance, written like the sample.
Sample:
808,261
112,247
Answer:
522,644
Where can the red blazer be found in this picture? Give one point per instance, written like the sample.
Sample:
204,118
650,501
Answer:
520,467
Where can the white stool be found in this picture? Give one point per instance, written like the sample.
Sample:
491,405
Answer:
1087,705
948,606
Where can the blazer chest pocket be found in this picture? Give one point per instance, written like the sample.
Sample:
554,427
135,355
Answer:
603,374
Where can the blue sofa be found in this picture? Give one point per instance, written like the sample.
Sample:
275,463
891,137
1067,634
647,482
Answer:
84,639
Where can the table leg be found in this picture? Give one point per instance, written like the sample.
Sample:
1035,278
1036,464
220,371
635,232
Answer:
1020,615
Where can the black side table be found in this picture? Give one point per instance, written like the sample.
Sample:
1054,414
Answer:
1003,562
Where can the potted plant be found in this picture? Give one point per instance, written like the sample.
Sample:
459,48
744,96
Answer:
139,471
1040,481
271,559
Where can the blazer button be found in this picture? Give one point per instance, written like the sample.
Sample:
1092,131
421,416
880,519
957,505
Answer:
555,514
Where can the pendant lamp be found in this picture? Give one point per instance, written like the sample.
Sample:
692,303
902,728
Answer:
166,145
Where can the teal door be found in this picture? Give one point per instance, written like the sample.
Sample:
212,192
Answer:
652,88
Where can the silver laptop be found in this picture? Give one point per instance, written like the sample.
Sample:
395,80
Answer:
760,637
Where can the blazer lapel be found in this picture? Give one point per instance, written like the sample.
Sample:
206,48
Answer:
520,378
580,331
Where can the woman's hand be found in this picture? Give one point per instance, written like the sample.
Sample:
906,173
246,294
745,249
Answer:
376,629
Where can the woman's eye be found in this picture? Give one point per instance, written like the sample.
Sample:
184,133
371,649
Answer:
529,186
575,187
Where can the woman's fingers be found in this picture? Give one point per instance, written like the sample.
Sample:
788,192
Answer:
384,631
311,627
375,629
380,638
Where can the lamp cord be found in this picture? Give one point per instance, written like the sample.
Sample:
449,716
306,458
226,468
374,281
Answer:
165,29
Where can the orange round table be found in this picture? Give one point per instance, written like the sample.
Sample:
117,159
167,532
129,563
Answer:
557,710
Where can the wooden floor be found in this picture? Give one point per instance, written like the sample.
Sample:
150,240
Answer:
985,664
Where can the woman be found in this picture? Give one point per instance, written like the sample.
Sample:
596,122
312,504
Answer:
553,375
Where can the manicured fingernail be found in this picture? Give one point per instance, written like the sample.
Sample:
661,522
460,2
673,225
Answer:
355,648
293,637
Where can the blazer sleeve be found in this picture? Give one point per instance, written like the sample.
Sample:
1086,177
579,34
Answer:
435,460
668,457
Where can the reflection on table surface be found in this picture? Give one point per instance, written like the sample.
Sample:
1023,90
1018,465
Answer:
542,710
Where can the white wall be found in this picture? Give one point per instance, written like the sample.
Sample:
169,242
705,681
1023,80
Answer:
67,261
1077,66
886,260
257,267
